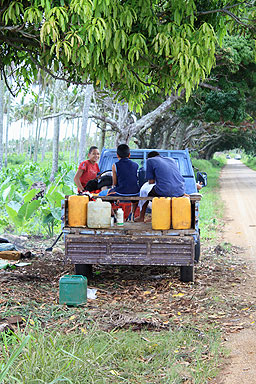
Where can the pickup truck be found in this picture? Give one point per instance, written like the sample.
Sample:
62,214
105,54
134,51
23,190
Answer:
136,243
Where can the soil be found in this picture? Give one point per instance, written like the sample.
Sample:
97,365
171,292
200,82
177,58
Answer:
238,191
222,296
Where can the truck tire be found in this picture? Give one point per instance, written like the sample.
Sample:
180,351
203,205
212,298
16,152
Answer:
197,251
187,273
84,270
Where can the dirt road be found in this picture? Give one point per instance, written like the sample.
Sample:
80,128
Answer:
238,191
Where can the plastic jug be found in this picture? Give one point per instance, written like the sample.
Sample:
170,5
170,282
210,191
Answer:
77,210
161,213
99,214
120,217
181,213
73,290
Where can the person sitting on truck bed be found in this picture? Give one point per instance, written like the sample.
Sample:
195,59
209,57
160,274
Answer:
162,171
124,174
88,169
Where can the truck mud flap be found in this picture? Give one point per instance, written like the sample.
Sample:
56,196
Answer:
175,250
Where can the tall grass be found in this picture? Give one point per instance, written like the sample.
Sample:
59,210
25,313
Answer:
211,206
117,357
250,162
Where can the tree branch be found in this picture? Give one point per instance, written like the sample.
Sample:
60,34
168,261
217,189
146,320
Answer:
107,120
149,119
6,82
69,81
226,10
208,86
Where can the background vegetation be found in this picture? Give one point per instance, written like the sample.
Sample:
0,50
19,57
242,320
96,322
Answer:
30,203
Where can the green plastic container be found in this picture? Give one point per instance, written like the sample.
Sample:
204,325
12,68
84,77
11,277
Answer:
73,290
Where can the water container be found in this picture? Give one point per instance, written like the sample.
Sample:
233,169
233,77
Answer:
181,213
99,214
77,210
161,213
73,290
120,217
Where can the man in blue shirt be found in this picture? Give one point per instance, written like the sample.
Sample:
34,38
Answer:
162,171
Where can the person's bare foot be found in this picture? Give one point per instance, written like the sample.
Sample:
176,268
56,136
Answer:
139,219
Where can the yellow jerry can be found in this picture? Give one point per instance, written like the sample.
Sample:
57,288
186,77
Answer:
181,213
161,213
77,210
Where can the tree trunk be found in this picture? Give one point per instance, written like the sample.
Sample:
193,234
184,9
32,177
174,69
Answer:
102,136
38,124
45,140
55,148
55,142
87,103
180,135
31,139
123,135
1,120
97,136
20,140
77,141
7,130
64,144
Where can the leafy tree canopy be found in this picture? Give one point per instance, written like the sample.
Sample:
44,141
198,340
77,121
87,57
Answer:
229,107
123,45
231,96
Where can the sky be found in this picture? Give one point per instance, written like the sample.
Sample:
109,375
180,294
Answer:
18,130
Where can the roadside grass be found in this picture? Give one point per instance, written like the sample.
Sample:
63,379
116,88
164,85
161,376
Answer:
182,354
211,206
250,162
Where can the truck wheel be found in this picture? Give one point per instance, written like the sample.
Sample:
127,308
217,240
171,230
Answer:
84,270
197,251
187,273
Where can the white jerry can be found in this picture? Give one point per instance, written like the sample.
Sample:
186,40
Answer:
98,214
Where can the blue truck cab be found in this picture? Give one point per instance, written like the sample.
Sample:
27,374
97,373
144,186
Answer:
182,158
137,243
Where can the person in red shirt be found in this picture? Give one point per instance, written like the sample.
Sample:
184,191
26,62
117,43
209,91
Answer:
88,169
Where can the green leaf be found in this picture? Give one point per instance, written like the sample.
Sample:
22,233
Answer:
55,198
14,205
13,357
67,190
117,40
48,218
56,212
27,209
30,194
12,213
6,192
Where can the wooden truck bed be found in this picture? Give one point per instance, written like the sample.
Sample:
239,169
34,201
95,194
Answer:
133,244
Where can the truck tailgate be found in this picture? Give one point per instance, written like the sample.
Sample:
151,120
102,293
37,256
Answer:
130,250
